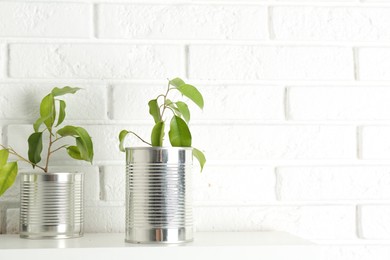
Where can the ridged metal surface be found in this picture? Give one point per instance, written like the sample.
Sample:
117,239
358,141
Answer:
51,205
159,195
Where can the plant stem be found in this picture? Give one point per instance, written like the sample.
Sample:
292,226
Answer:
140,138
165,99
57,138
12,151
48,152
63,146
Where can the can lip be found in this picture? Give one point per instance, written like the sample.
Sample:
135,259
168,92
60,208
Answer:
158,148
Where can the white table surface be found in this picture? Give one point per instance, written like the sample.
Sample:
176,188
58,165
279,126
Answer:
207,245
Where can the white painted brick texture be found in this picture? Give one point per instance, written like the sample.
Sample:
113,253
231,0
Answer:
320,222
374,142
255,62
331,23
333,183
272,142
374,222
21,101
373,63
96,61
339,103
65,20
296,123
173,21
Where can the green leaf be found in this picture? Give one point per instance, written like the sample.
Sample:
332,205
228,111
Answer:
61,115
47,110
39,122
154,110
3,157
183,108
62,91
82,148
8,174
84,141
35,147
177,82
192,93
179,134
173,106
200,157
122,136
74,152
158,134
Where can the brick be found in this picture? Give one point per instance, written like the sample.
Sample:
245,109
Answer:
266,103
104,220
374,63
105,138
309,222
255,62
114,179
118,61
12,221
22,101
331,23
333,183
375,142
218,184
267,142
348,103
45,20
173,21
374,221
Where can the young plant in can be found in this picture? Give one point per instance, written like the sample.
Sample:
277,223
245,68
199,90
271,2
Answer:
179,133
52,115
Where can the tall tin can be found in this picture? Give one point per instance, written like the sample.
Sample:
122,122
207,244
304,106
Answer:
51,205
159,195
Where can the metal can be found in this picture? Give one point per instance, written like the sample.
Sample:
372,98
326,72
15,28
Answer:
159,195
51,205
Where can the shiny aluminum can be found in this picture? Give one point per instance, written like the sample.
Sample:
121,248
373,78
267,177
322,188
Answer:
159,195
51,205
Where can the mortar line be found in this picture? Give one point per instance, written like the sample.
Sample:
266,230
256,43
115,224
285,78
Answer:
94,16
356,67
287,104
187,61
110,102
359,143
271,32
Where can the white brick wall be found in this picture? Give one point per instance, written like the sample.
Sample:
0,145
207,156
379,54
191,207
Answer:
296,125
255,62
331,23
72,20
94,61
173,22
342,103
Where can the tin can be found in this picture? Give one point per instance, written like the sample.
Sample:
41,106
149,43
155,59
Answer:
159,195
51,205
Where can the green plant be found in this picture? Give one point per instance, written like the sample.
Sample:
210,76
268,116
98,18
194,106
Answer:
179,133
52,114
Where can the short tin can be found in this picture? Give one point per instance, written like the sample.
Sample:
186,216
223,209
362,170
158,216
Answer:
159,195
51,205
